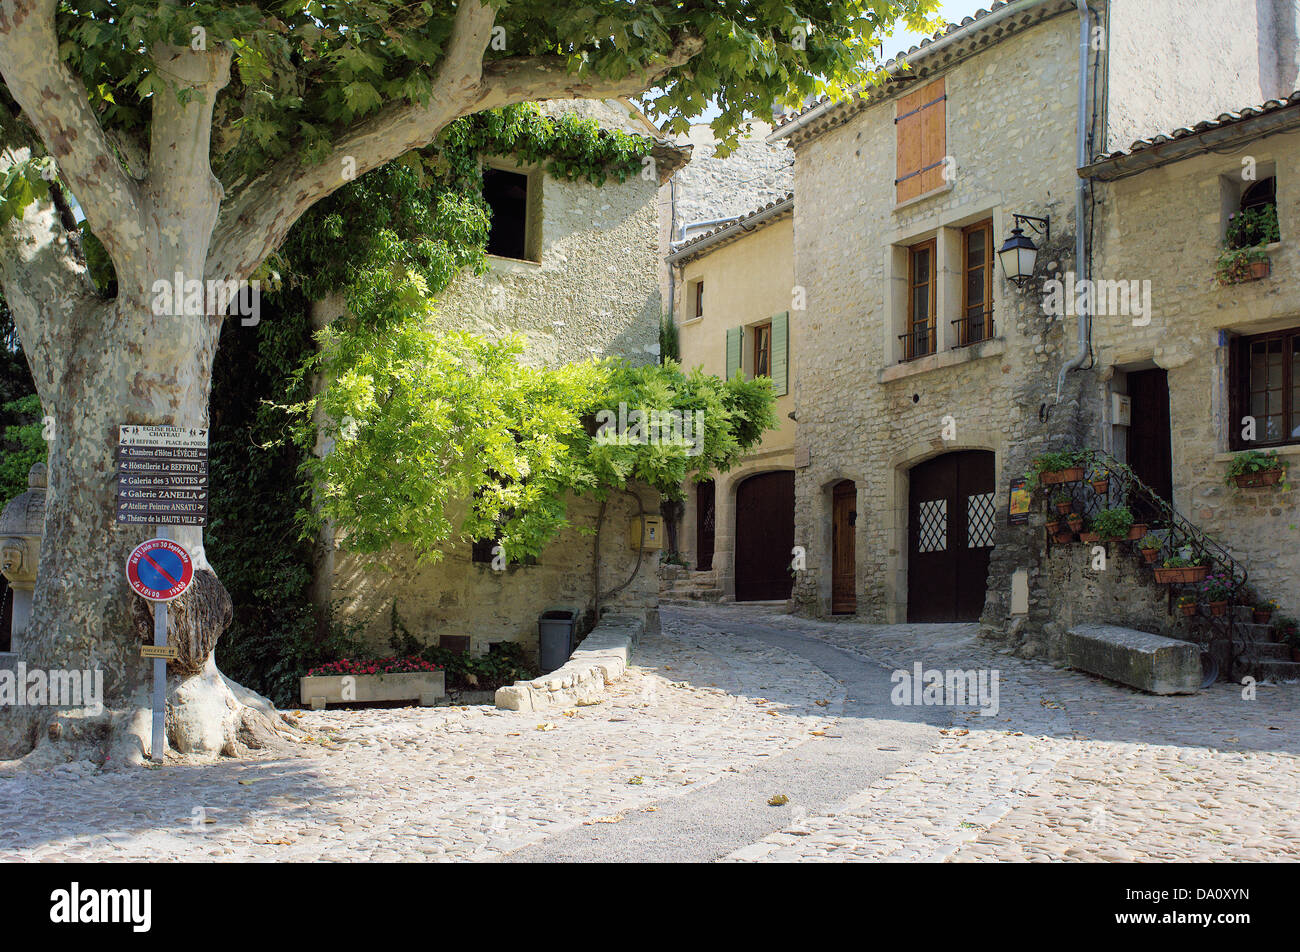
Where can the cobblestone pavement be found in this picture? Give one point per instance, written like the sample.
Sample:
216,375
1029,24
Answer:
1070,767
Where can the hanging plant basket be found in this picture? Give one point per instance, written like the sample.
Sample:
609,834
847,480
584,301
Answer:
1218,609
1071,475
1182,575
1265,477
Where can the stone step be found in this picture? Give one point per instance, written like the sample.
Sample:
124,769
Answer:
1139,659
1276,670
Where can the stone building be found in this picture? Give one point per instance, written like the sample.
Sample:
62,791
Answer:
928,381
575,269
1199,362
734,287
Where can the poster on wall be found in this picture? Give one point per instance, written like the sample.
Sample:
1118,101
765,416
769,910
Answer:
1018,503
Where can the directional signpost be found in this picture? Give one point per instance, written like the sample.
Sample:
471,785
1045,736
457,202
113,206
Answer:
162,479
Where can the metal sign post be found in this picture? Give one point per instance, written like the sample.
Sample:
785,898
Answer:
159,675
162,478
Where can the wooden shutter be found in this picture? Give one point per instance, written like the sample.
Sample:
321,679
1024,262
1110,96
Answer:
734,335
921,122
781,353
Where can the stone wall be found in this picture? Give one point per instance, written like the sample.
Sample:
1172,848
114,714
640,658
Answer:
593,293
1173,63
1165,226
861,414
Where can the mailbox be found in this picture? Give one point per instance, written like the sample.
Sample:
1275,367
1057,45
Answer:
646,532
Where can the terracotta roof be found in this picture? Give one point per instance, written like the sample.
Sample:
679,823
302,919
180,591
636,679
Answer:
972,34
1161,147
724,234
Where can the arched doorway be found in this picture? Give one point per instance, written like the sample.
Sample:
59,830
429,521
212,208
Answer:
764,536
950,517
844,517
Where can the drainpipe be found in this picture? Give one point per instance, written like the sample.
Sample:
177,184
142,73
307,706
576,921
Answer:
1080,262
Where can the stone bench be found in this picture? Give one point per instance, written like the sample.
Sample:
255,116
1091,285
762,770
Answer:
1152,663
601,659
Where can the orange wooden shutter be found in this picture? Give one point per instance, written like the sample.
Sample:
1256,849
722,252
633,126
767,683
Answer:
920,118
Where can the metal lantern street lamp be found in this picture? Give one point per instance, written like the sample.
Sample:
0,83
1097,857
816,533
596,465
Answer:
1018,253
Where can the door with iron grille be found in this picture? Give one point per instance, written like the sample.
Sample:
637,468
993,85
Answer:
950,517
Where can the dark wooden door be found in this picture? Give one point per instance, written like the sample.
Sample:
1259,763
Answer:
704,525
950,515
1149,452
844,516
764,537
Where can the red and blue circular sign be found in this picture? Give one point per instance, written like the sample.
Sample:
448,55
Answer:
159,570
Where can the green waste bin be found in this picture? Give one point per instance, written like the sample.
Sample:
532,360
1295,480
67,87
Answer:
555,636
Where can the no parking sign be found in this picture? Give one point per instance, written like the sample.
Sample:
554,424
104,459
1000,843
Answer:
159,570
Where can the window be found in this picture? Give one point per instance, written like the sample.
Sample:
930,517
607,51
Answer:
976,321
763,350
507,198
918,341
920,123
1266,385
697,295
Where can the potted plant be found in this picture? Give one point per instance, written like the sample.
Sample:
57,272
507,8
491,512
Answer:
1075,519
1100,480
1187,604
1182,569
1264,609
1064,536
1150,547
1243,257
1049,469
1287,631
1216,590
1063,501
1253,469
1113,523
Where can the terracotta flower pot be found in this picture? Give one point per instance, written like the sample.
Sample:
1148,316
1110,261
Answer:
1265,477
1260,269
1262,618
1071,475
1064,537
1218,609
1099,486
1150,555
1075,521
1089,537
1183,574
1064,508
1138,531
1053,526
1189,609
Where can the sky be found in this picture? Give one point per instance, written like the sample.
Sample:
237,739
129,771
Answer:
953,11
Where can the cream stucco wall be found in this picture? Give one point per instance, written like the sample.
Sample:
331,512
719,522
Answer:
745,283
1164,226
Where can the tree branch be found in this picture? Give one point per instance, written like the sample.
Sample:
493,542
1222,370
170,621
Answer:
253,222
54,102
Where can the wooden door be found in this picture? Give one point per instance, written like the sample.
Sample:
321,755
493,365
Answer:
1149,452
764,537
844,516
704,525
950,518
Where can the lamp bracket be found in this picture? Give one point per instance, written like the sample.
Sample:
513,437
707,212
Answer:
1040,226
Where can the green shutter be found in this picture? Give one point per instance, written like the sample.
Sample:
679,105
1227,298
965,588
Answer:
781,353
734,334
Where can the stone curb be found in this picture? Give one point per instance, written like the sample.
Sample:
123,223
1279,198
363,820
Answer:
601,659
